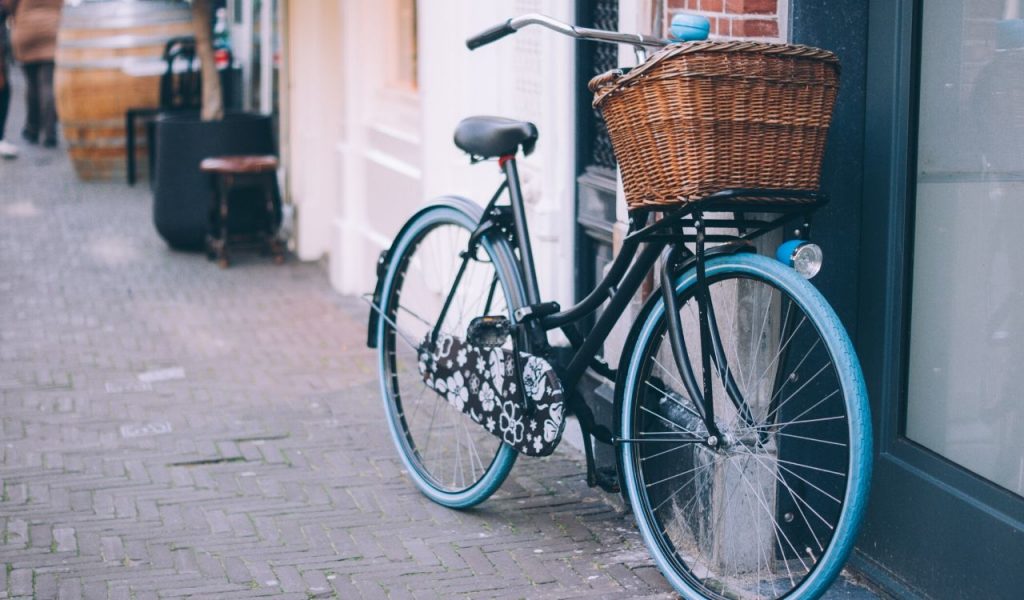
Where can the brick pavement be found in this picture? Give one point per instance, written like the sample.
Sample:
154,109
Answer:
170,429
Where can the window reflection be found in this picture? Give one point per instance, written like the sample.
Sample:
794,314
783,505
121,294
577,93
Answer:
966,376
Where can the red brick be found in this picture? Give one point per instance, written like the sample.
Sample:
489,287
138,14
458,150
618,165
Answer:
755,28
672,4
712,5
751,7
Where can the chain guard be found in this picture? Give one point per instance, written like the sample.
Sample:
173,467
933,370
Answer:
482,383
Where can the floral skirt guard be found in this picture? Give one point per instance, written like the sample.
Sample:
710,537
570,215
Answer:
482,383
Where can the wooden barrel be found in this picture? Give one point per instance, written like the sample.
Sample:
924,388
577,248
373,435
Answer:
109,60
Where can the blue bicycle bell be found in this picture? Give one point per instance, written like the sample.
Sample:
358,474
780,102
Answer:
804,257
689,28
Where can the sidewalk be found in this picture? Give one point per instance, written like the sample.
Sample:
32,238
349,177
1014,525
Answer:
168,428
172,429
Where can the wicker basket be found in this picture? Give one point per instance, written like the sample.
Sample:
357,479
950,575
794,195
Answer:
701,117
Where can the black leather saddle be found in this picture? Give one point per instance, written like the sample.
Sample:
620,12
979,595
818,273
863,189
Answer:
487,137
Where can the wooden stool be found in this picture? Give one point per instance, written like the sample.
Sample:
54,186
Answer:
230,173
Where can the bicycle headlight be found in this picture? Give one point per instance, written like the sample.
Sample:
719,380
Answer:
804,257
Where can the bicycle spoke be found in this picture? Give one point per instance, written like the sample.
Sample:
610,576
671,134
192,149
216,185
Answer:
781,426
413,314
673,449
775,524
795,420
695,471
776,410
677,475
756,348
670,422
668,371
674,401
811,439
416,403
782,347
786,485
405,337
826,494
805,466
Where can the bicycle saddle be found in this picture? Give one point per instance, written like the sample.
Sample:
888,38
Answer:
488,137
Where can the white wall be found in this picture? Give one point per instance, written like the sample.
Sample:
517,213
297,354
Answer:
366,153
378,155
525,76
314,103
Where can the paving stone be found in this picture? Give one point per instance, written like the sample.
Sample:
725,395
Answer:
65,537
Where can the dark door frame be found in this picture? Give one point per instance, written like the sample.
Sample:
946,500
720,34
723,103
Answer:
931,524
595,196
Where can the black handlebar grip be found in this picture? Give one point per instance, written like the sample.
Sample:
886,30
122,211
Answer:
491,35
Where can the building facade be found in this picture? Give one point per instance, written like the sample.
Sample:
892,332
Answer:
924,166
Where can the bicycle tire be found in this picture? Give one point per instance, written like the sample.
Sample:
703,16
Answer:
461,216
695,544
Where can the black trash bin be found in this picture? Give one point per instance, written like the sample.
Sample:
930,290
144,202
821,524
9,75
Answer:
181,193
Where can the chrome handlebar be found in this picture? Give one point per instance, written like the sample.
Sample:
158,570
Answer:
640,42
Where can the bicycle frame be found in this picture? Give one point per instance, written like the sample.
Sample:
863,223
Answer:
646,241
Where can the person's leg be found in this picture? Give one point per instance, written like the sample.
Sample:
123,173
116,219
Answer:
7,149
47,105
5,102
31,130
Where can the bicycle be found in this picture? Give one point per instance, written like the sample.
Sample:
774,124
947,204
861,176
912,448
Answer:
741,421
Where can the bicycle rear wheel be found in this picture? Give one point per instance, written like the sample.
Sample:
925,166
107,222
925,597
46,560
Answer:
452,459
771,509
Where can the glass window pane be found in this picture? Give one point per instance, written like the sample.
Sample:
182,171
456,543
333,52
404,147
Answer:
966,379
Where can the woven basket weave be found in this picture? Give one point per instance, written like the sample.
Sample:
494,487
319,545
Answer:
701,117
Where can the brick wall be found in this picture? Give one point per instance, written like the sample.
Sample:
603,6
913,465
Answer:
753,19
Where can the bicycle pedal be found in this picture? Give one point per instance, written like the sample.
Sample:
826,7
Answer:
488,331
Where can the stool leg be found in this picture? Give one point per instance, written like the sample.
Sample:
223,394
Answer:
273,244
129,144
212,222
225,188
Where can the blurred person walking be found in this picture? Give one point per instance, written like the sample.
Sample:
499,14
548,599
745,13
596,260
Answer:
34,40
7,149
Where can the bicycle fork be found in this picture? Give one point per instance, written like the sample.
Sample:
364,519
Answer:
702,393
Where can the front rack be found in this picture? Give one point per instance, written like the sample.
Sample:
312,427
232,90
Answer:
751,212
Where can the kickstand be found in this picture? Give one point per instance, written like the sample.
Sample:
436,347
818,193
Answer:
606,479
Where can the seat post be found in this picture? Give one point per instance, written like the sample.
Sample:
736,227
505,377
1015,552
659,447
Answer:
515,195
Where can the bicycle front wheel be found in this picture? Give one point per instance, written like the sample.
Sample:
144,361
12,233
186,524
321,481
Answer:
452,459
770,508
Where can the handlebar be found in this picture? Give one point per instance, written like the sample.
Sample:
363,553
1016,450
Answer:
637,40
491,35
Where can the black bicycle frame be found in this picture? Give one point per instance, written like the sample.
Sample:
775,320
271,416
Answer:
647,240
